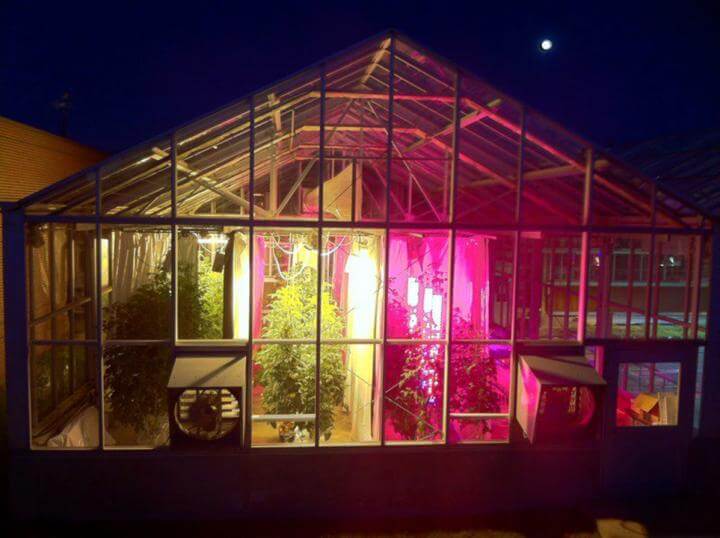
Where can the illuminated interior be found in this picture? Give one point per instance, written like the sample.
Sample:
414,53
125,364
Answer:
383,220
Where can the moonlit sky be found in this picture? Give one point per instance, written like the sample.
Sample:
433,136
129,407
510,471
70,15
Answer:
617,73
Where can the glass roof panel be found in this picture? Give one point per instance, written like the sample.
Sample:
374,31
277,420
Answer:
213,162
213,155
74,196
139,182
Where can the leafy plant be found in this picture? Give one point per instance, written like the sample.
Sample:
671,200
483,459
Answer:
414,369
288,370
136,376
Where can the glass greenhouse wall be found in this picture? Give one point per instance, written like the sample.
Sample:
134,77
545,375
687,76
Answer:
377,236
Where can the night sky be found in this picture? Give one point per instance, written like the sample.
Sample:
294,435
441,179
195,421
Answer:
619,72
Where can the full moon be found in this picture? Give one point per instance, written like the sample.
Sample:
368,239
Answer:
546,45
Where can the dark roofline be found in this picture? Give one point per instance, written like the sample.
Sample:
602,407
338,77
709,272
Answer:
389,33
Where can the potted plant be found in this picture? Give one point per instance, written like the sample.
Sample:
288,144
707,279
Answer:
136,375
287,371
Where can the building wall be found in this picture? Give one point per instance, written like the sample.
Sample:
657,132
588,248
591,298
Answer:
296,484
31,159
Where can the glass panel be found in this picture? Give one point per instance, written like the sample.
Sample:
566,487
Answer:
213,163
61,261
672,286
618,285
356,119
619,197
422,137
213,282
365,66
136,409
349,399
83,315
488,153
704,301
76,197
41,386
417,302
137,302
413,391
352,268
285,283
287,145
548,284
648,394
479,378
670,211
38,246
63,391
478,430
553,172
283,397
138,181
482,285
697,401
371,174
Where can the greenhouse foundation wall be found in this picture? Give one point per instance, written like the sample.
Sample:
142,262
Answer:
269,485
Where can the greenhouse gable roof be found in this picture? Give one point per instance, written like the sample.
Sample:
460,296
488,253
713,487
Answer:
340,120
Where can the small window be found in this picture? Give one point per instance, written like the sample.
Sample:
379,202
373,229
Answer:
648,394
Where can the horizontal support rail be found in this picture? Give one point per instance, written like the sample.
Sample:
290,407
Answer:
294,417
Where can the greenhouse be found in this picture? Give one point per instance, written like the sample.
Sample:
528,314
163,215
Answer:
380,250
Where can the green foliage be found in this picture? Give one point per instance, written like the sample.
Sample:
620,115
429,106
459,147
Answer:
200,301
211,286
288,371
136,376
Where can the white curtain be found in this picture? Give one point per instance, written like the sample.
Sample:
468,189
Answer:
363,294
241,286
136,256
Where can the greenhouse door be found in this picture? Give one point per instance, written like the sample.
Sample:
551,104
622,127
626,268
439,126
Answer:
648,415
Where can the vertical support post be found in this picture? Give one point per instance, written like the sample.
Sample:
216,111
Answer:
651,265
99,313
515,272
53,316
273,186
451,269
656,289
353,198
710,407
630,289
70,299
585,246
173,244
16,330
455,151
550,291
691,261
321,217
604,320
697,283
568,290
388,183
247,437
29,259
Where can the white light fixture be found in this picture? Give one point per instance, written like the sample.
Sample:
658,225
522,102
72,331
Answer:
212,240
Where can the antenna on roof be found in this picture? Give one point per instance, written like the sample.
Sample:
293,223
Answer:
64,105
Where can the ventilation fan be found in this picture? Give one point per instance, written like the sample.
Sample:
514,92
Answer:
205,397
559,398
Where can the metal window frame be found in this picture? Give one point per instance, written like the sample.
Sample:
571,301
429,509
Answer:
14,239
